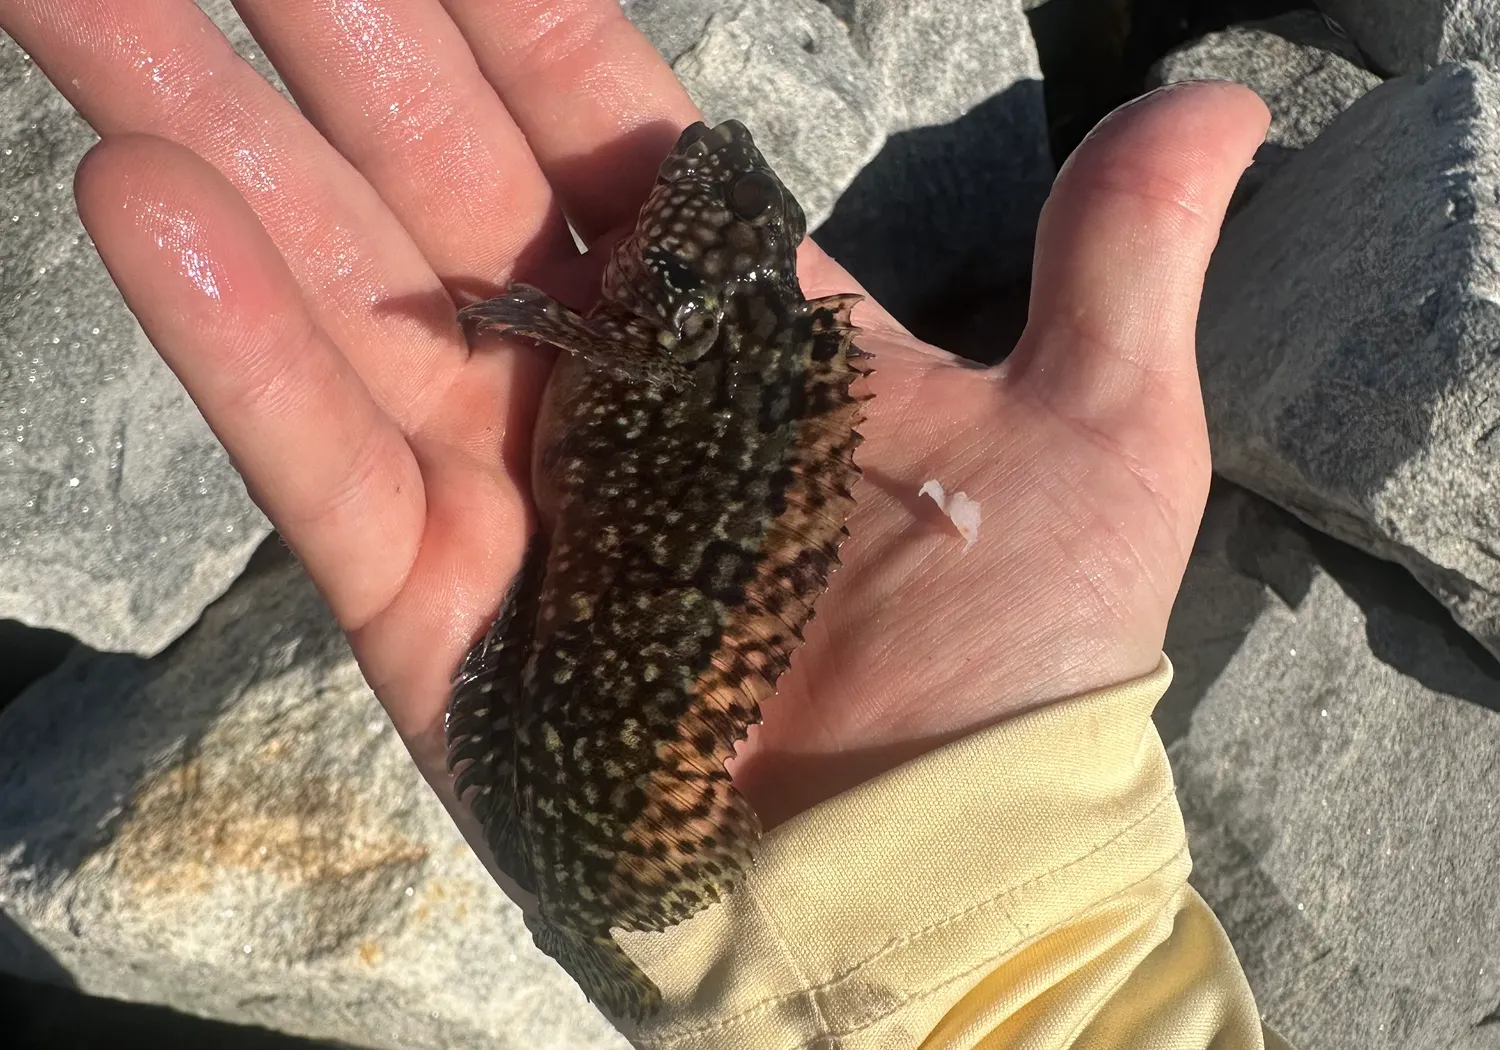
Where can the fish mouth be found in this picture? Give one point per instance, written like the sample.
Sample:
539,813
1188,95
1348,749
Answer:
698,140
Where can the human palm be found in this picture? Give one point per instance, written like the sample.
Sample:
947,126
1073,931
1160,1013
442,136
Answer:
300,272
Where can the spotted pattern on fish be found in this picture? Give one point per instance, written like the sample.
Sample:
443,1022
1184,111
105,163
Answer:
693,468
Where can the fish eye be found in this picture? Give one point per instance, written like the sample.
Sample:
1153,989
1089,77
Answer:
753,194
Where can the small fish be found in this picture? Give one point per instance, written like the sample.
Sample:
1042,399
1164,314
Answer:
693,468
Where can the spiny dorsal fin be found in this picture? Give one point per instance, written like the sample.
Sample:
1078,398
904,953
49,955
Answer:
697,834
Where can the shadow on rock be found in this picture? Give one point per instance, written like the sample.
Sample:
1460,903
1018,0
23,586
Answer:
26,654
76,744
948,209
1407,627
39,1016
1247,547
22,956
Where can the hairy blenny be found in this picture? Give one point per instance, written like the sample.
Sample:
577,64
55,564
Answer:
692,468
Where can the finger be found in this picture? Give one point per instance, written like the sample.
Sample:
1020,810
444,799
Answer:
1122,246
331,471
596,102
161,67
395,88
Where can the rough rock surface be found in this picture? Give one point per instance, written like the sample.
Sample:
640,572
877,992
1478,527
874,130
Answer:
122,517
1305,72
1404,36
1347,336
235,830
1340,785
921,119
786,68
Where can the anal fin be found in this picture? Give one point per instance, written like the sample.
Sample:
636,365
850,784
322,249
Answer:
608,976
479,729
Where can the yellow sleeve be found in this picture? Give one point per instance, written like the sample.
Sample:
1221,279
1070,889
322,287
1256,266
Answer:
1024,887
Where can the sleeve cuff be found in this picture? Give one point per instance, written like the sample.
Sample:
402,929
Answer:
1024,886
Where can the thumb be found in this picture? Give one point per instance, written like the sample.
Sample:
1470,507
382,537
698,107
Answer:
1122,246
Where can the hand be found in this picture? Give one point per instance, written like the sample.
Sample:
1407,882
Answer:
299,274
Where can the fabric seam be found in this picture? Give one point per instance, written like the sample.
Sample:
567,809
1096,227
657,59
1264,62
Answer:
908,939
811,993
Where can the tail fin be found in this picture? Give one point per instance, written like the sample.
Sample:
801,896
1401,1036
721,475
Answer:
602,969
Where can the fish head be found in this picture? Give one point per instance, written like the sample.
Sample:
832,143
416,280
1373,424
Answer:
717,219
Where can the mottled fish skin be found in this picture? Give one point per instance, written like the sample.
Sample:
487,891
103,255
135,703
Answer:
692,468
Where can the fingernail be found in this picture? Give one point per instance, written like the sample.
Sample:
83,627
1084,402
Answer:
1112,114
1147,96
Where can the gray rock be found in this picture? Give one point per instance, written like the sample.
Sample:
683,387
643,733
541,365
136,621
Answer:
1347,336
1306,74
1339,784
1216,606
914,127
234,829
944,217
788,70
935,60
1405,36
123,517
